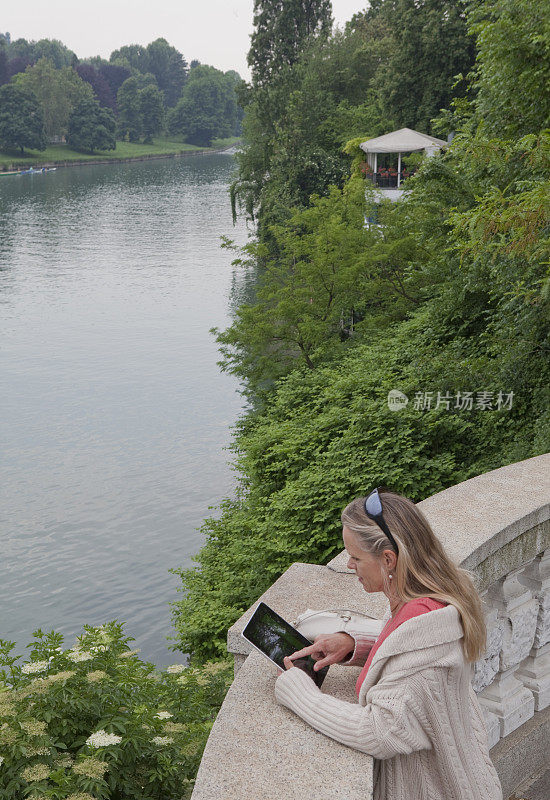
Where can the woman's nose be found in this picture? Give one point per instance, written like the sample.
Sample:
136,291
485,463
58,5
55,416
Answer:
351,565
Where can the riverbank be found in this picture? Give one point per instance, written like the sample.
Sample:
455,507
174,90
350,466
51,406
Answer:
60,155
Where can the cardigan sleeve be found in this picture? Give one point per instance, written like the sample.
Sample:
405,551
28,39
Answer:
363,644
386,726
361,650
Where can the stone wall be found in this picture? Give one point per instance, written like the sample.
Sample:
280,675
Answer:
513,679
498,526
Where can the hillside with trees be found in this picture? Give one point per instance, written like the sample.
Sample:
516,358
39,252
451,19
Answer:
446,299
151,91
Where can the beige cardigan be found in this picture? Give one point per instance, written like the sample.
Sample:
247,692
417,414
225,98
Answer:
418,715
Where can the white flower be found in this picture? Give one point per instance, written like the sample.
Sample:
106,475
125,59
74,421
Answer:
1,760
129,653
79,655
175,668
164,715
34,666
160,740
103,739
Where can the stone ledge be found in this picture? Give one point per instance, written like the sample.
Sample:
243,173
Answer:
319,588
258,749
523,753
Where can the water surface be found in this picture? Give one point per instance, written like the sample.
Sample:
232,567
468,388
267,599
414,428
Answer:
114,413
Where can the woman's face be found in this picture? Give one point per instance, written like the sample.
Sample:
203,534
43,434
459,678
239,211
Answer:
366,567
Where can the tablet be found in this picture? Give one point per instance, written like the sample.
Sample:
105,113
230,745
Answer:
276,638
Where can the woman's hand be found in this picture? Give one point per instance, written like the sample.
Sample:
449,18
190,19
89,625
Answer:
327,649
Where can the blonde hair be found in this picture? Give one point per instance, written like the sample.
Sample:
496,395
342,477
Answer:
423,567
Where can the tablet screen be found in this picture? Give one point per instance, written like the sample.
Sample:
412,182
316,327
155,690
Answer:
276,638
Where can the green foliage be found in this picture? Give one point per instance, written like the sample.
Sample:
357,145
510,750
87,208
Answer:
57,90
169,68
208,107
281,31
307,297
427,44
151,107
21,120
130,122
452,295
164,62
513,65
31,52
95,720
91,127
55,51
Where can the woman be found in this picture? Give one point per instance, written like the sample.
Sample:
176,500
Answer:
418,715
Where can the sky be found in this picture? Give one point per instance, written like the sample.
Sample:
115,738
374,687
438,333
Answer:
213,31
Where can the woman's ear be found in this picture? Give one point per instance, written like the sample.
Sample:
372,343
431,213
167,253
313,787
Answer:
390,559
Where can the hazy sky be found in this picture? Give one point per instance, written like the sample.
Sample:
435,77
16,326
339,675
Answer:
214,31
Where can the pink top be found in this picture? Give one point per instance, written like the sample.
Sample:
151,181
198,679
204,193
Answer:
413,608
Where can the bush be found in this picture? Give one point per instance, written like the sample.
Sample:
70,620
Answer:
95,722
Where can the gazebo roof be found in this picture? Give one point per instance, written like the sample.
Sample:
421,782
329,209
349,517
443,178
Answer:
405,140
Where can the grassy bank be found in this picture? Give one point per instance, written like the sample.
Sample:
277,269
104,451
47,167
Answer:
61,153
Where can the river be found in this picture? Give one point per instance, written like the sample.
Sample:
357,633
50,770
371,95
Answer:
115,414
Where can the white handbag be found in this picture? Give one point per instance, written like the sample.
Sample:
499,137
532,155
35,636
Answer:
315,623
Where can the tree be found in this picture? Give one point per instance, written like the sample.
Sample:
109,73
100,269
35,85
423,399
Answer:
114,74
303,296
57,91
132,55
281,28
129,110
152,111
169,68
21,120
4,72
91,127
17,65
207,108
55,51
101,88
21,48
427,45
513,66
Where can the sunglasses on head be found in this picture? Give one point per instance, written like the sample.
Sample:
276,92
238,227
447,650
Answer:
373,510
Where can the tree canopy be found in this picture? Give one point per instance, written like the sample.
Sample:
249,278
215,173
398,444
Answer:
130,122
159,58
281,29
57,91
208,107
91,127
101,88
21,120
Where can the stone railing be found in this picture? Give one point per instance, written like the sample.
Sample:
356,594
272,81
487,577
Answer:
498,526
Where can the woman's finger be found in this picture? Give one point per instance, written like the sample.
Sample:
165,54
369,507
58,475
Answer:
306,651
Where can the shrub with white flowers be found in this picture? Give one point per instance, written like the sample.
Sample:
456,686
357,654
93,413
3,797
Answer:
95,722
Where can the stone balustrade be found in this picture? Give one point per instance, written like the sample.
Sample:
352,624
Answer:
498,526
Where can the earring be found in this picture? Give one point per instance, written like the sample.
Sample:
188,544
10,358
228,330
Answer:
390,575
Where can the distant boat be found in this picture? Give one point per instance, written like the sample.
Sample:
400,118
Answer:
33,171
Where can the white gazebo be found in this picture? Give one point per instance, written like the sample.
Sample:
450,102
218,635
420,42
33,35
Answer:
405,140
